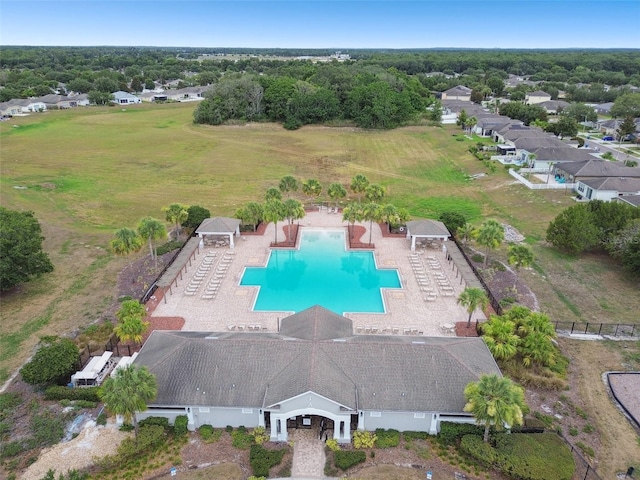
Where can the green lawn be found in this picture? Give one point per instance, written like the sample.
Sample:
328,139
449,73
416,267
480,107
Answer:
90,171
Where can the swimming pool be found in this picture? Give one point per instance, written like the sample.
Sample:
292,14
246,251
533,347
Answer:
322,273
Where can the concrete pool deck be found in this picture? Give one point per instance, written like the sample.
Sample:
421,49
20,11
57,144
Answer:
407,310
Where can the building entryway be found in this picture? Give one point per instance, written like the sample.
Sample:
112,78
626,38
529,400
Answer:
308,448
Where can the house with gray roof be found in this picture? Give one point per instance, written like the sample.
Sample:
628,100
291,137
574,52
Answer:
596,168
459,92
124,98
313,367
607,188
533,98
553,107
21,106
633,200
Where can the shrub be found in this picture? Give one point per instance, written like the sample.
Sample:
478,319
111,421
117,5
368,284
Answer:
169,247
241,439
573,431
180,425
229,429
332,444
477,449
259,435
159,421
11,449
209,434
58,393
588,428
363,439
387,438
102,419
47,429
8,401
415,436
477,257
150,437
262,459
345,459
54,362
451,433
586,449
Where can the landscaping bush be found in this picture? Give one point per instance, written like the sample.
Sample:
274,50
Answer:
11,449
159,421
180,425
477,449
408,436
150,437
259,435
102,419
332,444
58,393
47,429
169,247
209,434
9,401
537,456
262,459
345,459
451,433
387,438
241,439
364,439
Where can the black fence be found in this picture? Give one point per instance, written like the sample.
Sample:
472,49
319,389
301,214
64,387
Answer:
584,470
495,304
609,329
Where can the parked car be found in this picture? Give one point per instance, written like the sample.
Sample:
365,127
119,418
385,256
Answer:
608,138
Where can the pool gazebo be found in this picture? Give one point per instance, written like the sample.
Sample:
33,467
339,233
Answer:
219,226
426,229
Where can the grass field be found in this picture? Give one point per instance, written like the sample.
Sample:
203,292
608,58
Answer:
90,171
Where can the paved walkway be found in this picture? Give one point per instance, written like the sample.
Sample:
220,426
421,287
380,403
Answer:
308,454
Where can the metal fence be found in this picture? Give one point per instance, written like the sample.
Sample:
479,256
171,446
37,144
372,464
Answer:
584,470
608,329
495,304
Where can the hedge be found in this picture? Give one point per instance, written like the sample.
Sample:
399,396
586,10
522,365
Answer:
387,438
409,435
483,452
262,459
57,392
451,433
159,421
180,425
345,459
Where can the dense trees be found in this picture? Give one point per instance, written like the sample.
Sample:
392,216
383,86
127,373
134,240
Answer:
21,254
627,105
195,215
54,362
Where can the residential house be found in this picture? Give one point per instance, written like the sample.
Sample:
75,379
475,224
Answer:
603,108
595,168
633,200
451,109
53,101
460,93
187,94
21,106
313,367
554,107
125,98
487,125
607,188
533,98
548,156
610,127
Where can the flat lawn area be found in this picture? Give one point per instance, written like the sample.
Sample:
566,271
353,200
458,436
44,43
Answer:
90,171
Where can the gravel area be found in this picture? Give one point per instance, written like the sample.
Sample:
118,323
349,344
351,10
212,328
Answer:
94,440
626,387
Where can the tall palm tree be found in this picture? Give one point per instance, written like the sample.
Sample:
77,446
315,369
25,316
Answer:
389,215
374,192
128,391
126,241
273,194
371,212
251,214
472,298
359,184
293,210
336,191
490,235
312,187
176,213
131,324
352,213
288,184
151,229
274,212
499,335
466,232
494,400
519,256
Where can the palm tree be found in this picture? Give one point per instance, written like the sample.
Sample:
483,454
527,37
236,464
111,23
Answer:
519,256
129,391
251,214
490,235
288,184
273,194
126,241
494,400
472,298
359,184
466,232
151,229
499,335
374,192
176,214
371,212
274,212
312,187
352,213
336,191
293,210
389,215
131,324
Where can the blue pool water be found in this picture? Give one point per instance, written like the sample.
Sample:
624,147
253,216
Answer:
320,273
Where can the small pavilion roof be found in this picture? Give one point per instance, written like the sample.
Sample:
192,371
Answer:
218,225
427,228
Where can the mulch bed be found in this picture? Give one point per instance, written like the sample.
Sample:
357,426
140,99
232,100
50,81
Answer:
356,233
462,330
290,239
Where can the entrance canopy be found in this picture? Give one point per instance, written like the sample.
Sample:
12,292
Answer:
428,229
219,226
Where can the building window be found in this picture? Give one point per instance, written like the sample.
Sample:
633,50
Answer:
418,415
375,414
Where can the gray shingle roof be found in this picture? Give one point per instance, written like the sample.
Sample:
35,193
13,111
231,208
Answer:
616,184
219,225
316,323
427,227
254,370
562,154
599,168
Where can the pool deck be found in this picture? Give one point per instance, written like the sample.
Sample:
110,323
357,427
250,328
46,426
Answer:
408,311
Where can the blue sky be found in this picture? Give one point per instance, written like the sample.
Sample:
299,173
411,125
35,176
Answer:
323,24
